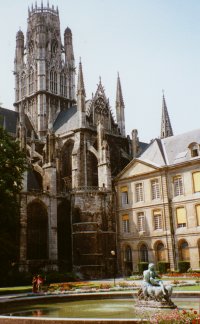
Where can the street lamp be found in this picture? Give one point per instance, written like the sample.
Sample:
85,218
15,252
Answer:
113,253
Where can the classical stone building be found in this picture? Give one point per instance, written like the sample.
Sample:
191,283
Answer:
74,147
158,197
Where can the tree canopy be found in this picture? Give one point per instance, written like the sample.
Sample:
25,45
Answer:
12,167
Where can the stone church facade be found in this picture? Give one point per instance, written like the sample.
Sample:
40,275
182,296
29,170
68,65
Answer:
74,148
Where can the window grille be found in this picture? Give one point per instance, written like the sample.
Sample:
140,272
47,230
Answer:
178,186
126,226
53,82
155,189
124,195
157,220
141,222
139,192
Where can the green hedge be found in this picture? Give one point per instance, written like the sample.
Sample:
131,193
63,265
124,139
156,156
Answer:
163,267
142,266
183,266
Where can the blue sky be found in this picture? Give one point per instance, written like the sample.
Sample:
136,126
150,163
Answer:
153,44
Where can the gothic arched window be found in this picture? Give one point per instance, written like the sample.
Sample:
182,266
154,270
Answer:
53,81
54,46
63,84
31,81
23,85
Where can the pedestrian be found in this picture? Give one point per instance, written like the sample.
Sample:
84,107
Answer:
39,282
34,284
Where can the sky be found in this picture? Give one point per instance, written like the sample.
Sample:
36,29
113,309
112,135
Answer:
154,45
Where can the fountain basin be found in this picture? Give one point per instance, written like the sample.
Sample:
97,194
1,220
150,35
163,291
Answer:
81,308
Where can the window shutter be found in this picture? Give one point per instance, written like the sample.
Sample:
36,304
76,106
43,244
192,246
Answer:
124,189
181,215
198,214
196,180
125,217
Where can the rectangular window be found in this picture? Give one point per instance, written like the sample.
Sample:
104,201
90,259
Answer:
157,216
139,192
181,217
141,222
126,225
196,181
155,189
124,195
178,186
198,214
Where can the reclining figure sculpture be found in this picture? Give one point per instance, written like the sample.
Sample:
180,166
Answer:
153,291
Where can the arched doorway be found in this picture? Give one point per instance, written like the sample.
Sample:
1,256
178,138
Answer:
37,231
143,253
184,254
128,264
160,252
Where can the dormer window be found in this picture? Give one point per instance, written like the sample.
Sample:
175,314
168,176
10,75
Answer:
194,149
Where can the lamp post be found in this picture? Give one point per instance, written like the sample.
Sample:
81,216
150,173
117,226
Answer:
113,253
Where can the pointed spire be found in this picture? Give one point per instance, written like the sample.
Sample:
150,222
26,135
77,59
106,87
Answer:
80,85
119,97
166,128
119,104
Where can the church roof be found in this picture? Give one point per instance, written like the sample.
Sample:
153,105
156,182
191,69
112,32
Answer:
8,119
66,121
171,150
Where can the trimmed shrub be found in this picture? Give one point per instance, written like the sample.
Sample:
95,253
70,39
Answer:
53,277
142,266
163,267
183,266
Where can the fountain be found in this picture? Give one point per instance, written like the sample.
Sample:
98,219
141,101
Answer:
96,307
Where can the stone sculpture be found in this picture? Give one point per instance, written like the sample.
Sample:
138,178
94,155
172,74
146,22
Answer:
153,292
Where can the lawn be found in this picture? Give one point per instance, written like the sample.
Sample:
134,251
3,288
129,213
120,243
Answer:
15,290
187,288
28,289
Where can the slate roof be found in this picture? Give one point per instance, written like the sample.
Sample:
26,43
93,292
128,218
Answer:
171,150
8,119
67,120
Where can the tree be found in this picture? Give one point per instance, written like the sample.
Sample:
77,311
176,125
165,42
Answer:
12,166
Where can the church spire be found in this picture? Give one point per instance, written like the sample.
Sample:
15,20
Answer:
166,128
120,108
81,97
80,85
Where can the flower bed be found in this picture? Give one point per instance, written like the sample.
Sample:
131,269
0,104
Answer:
184,275
77,287
176,317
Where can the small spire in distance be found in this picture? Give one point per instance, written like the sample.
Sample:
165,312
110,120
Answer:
119,97
166,128
80,85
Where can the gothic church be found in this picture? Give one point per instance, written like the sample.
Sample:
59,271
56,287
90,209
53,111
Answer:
74,147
